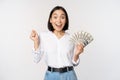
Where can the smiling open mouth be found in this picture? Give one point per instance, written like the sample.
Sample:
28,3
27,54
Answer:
58,25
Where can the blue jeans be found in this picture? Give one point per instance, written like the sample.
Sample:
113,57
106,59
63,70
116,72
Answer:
70,75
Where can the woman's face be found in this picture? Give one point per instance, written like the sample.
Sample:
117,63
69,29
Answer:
58,20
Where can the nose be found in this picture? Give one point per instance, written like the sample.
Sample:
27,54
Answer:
59,20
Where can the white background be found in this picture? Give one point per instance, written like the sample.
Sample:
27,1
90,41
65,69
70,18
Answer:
101,18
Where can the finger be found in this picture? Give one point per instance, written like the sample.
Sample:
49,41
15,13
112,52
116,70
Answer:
31,36
33,32
80,45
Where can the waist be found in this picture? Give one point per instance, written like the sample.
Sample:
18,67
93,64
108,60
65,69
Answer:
61,70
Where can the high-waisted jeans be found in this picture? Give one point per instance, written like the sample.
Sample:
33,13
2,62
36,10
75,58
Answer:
70,75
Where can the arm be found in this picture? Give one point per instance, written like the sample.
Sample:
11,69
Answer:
78,50
34,36
37,52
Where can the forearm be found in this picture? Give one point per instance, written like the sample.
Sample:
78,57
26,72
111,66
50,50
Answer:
36,45
76,57
37,52
37,55
79,49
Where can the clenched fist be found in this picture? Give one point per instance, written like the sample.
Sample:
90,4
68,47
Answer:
34,36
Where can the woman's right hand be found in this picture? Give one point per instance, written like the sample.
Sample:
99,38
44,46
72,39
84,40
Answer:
34,36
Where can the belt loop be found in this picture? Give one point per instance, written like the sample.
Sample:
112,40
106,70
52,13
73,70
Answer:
51,69
67,69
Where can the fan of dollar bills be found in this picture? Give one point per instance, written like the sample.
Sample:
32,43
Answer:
81,38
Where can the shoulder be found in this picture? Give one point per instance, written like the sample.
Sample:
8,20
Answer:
67,34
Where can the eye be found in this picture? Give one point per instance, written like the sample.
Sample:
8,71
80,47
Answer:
62,17
55,17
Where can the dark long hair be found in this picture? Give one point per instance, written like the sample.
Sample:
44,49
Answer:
50,27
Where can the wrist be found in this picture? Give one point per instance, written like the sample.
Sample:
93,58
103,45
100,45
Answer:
76,57
36,45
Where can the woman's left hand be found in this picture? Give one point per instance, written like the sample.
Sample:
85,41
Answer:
79,49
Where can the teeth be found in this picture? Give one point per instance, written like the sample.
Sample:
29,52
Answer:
58,24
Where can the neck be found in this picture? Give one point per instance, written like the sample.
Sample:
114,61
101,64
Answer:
59,34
